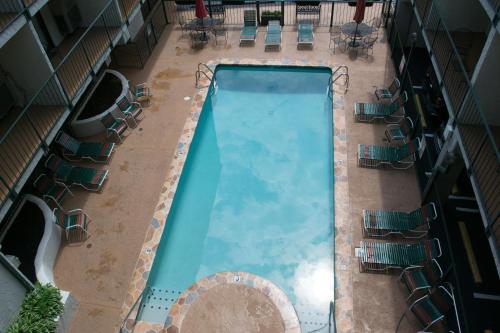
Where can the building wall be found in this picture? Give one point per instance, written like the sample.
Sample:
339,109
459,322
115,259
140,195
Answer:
29,68
464,14
487,82
12,293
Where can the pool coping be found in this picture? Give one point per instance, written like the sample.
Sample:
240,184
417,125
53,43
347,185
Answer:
342,220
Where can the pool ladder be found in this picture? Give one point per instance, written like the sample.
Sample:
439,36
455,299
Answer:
339,72
203,71
137,302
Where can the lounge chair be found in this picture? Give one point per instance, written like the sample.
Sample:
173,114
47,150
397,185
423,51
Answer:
421,279
368,112
400,131
89,178
403,157
114,126
415,224
249,31
51,190
131,110
75,224
305,35
273,35
389,92
75,150
382,257
142,93
431,309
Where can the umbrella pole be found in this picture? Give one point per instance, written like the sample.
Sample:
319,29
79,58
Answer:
355,33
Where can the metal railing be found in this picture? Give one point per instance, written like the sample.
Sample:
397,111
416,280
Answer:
321,13
127,7
480,146
10,10
29,131
98,38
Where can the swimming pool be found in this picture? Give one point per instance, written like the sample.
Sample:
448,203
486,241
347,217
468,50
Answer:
256,192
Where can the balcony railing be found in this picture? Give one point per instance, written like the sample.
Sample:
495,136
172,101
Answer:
322,13
75,69
481,147
27,132
10,10
128,6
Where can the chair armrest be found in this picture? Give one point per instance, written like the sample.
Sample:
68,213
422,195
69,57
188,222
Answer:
409,268
136,104
433,205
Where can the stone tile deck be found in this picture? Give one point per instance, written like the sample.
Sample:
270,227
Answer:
98,273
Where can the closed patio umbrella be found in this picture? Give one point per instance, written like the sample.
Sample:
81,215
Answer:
201,10
359,15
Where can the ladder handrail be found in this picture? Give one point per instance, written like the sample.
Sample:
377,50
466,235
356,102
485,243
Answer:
197,76
201,64
122,326
339,68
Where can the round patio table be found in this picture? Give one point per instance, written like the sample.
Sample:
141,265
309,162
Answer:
353,30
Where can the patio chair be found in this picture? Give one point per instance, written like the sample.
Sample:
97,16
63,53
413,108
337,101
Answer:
114,126
273,35
219,31
403,157
75,150
383,257
389,92
367,43
420,280
89,178
400,131
131,110
249,31
142,93
415,224
51,190
75,224
305,35
336,38
431,309
368,112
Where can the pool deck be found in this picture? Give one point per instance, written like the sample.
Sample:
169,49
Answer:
99,272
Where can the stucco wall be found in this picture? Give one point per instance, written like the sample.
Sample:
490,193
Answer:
11,295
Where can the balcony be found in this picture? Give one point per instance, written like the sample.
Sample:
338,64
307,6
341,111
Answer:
478,139
128,6
25,133
81,55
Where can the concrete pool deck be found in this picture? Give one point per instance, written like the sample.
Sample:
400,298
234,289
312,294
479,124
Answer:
98,273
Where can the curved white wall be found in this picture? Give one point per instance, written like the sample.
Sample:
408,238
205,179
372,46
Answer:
93,126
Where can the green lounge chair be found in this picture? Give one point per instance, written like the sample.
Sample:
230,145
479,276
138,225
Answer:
421,279
400,131
415,224
249,31
273,35
51,190
114,126
131,110
368,112
381,257
403,157
389,92
75,150
305,35
75,224
432,309
89,178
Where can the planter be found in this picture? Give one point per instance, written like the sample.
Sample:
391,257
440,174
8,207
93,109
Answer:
264,19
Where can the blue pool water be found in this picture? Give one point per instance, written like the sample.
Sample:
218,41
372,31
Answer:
256,192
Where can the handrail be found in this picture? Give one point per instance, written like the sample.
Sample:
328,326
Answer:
201,64
198,76
20,13
53,75
124,322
